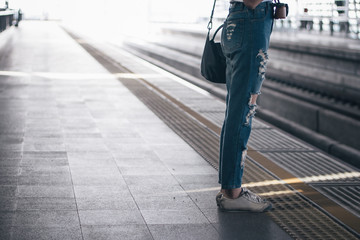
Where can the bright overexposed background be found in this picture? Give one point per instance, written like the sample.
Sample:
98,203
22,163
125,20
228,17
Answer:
113,16
116,17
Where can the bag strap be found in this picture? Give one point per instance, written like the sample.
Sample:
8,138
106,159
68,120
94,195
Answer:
213,37
209,26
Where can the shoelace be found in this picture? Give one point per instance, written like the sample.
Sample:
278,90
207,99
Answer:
252,195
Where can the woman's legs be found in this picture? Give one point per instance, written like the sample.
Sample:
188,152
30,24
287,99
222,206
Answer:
245,41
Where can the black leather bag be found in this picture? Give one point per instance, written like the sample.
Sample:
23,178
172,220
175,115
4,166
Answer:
213,62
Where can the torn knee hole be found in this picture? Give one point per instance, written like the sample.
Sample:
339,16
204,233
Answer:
263,57
243,158
252,109
253,99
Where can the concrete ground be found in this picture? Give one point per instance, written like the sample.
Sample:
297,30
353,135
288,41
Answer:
83,158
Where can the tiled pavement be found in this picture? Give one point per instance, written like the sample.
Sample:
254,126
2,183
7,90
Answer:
83,158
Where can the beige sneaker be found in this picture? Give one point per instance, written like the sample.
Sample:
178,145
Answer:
247,201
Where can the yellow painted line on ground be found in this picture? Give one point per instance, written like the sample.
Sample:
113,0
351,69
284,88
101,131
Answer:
299,185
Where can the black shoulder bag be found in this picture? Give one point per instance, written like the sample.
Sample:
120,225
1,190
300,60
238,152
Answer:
213,62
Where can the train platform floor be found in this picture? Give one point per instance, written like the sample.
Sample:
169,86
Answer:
83,157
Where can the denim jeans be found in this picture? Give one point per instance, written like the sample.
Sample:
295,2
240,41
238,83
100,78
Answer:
244,41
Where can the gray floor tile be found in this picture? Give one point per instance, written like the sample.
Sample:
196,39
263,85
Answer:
53,179
92,163
38,140
155,169
44,158
45,191
118,146
10,159
197,182
42,122
44,162
9,171
182,168
8,191
139,162
110,217
87,180
127,158
74,156
134,232
44,134
55,155
75,112
44,170
154,181
81,131
12,138
48,127
192,216
133,151
46,204
91,160
46,218
244,225
79,124
102,203
161,137
8,155
69,135
180,202
204,199
113,135
7,204
45,147
89,147
153,185
6,232
108,171
42,233
11,147
101,191
8,180
97,176
7,218
170,156
85,141
184,232
43,115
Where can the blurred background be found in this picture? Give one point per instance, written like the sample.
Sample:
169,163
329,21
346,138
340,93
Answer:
339,17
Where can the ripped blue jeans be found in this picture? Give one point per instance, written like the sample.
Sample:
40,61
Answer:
245,41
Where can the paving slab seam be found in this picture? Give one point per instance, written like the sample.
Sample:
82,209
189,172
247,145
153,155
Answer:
137,205
76,203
